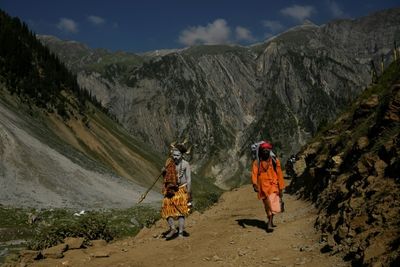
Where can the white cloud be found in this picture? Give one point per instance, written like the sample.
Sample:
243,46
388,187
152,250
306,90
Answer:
68,25
217,32
273,25
96,20
299,13
335,10
244,34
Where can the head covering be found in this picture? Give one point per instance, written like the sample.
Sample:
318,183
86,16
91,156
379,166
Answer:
266,145
181,147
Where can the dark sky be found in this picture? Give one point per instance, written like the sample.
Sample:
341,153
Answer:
139,26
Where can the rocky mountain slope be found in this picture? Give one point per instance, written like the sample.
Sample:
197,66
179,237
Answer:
58,148
223,97
351,170
46,163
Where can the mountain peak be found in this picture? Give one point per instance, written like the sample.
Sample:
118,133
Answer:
308,22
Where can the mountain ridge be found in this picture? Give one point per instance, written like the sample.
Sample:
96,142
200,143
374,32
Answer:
223,97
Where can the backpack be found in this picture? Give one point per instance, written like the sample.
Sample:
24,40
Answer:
255,147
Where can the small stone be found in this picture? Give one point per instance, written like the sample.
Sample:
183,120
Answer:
302,262
276,259
216,258
135,222
32,218
124,250
100,254
206,259
305,248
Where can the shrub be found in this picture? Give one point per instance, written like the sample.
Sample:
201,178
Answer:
90,226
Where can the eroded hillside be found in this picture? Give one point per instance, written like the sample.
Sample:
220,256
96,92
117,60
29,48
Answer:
58,146
352,172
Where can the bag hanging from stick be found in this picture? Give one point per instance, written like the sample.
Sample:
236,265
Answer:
282,204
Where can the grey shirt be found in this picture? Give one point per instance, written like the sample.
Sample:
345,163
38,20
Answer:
184,176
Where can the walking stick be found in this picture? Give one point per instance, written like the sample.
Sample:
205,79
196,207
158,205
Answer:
143,196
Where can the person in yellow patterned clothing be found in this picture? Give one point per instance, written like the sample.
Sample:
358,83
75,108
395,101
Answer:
177,192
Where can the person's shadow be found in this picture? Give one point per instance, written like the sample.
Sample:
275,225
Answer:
253,223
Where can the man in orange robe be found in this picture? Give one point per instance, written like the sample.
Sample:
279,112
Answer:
267,179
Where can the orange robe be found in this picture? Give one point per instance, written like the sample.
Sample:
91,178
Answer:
267,180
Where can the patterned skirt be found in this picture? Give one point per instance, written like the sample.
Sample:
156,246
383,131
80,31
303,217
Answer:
177,205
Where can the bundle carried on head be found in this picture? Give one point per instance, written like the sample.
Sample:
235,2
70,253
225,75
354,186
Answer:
258,146
266,145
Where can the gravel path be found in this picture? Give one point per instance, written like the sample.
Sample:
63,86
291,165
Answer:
231,233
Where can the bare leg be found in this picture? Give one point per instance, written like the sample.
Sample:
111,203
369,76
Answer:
269,214
171,223
172,229
181,221
272,221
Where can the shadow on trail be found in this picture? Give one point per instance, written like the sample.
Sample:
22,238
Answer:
252,222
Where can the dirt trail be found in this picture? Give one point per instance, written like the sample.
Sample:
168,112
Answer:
231,233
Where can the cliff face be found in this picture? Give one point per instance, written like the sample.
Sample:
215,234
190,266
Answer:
222,97
351,171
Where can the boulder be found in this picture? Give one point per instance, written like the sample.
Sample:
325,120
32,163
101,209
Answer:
371,102
362,143
380,167
299,166
337,160
393,112
74,242
55,252
28,256
375,249
312,149
98,243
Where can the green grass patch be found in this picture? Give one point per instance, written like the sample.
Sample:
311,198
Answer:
52,226
205,192
121,61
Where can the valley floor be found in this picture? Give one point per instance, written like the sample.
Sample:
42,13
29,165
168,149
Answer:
231,233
